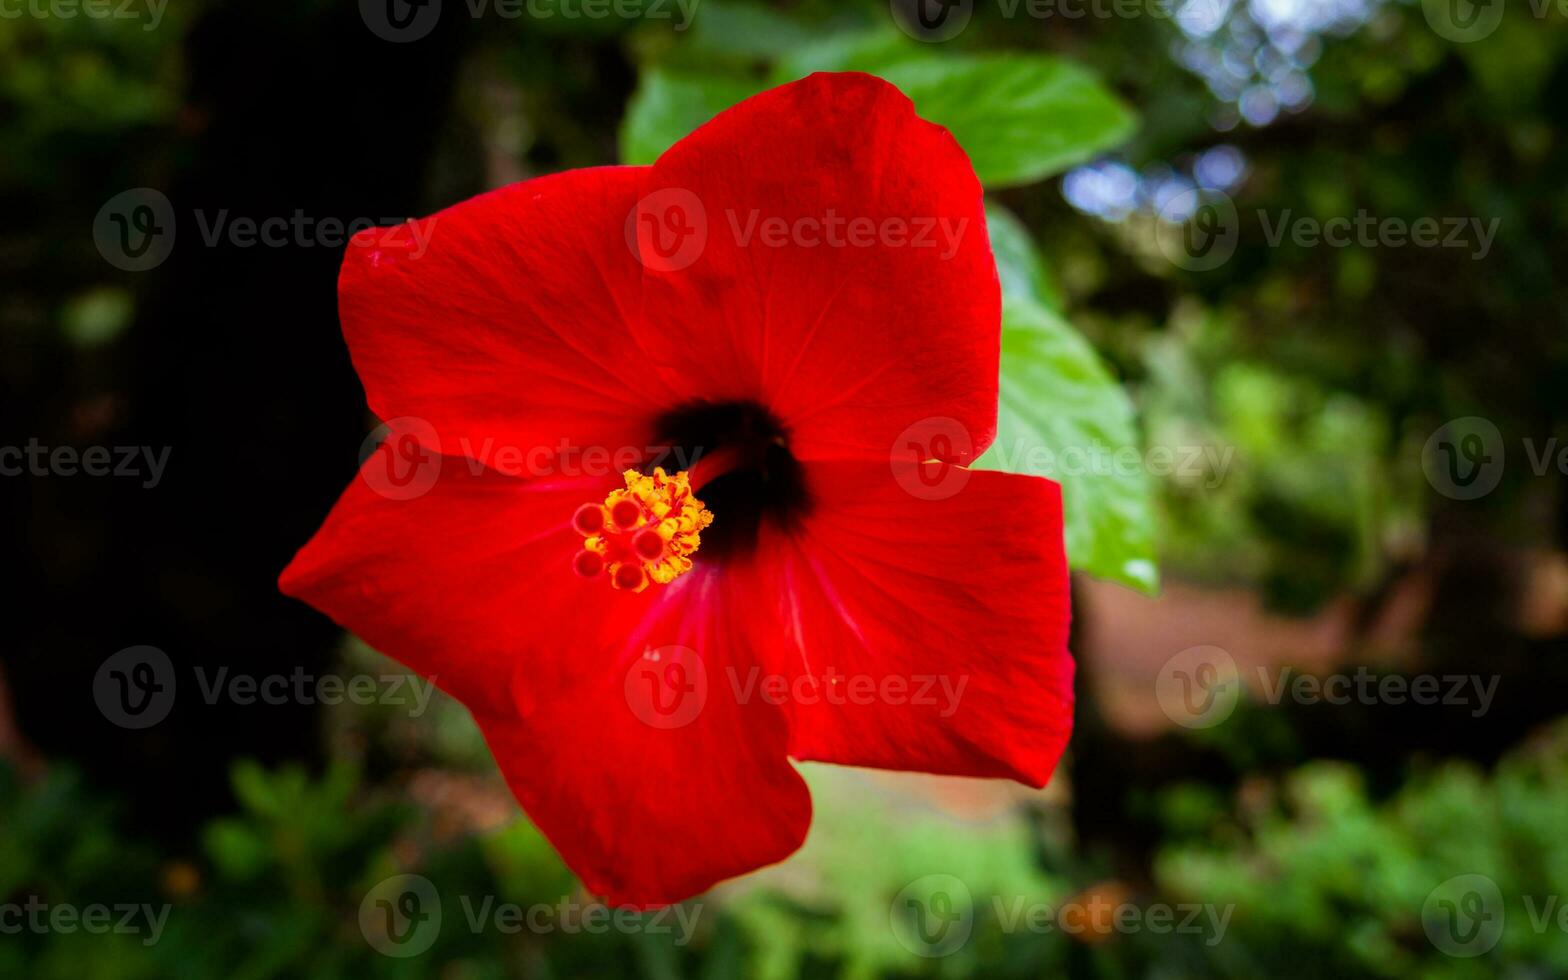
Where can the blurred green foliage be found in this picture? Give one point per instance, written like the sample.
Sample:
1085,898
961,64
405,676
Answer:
1300,877
1328,882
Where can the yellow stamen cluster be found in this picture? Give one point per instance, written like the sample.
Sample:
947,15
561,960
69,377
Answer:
646,532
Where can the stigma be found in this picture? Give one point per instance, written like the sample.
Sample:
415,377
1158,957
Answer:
644,533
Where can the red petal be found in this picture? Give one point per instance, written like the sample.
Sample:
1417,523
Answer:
450,578
947,602
503,321
652,781
850,343
471,584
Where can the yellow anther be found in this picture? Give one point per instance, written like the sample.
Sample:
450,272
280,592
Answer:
644,533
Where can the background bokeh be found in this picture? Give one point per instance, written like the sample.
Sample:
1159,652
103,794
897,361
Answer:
1346,474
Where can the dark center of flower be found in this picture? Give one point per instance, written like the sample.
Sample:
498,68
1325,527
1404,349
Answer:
741,467
724,469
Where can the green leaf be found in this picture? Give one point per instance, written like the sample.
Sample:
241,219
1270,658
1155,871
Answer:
862,51
1020,118
1064,416
235,849
667,106
1018,263
747,30
255,789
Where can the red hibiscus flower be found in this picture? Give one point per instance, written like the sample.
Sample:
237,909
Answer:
693,500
